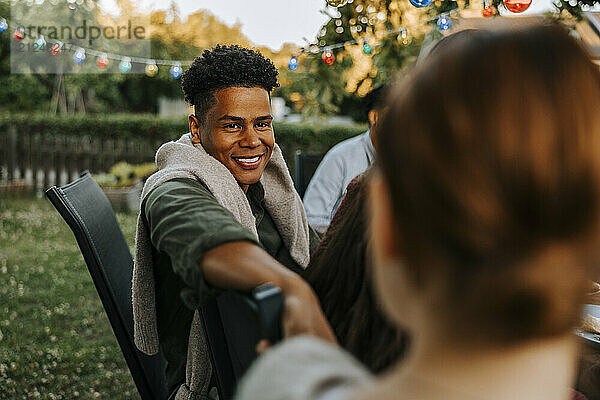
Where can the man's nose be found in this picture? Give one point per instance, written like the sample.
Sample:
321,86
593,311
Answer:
250,139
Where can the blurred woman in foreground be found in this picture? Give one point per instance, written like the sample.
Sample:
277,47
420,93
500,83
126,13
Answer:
484,220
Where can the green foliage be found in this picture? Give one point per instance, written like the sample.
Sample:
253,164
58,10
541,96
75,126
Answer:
392,58
100,92
124,174
322,87
291,137
111,126
322,92
55,339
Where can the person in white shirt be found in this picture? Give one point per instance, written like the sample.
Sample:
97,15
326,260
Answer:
340,165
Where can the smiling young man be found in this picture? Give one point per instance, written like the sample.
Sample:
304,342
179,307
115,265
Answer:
221,212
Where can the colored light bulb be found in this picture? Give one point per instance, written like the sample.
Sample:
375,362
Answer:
56,49
403,36
102,61
293,64
40,43
421,3
176,71
79,56
151,69
367,49
125,65
337,3
488,11
517,6
19,33
444,23
3,25
328,57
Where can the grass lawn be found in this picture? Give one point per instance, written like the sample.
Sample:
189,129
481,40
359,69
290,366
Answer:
55,339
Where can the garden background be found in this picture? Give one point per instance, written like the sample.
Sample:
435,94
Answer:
55,340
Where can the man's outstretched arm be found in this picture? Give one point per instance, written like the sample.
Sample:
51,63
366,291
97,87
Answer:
244,266
209,249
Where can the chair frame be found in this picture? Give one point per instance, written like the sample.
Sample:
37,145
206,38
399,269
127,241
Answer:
231,348
135,359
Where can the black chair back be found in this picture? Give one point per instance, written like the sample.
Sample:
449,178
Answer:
233,322
89,214
305,166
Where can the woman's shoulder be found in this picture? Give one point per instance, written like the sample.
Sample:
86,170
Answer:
302,368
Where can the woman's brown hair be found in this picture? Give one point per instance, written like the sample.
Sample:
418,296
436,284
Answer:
491,154
339,273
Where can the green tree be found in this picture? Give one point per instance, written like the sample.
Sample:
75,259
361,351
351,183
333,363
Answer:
379,21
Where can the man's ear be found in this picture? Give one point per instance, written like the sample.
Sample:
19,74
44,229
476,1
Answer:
373,116
384,233
194,129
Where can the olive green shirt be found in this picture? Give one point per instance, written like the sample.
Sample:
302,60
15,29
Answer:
185,220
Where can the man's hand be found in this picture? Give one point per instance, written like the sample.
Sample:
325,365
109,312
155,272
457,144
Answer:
244,266
302,314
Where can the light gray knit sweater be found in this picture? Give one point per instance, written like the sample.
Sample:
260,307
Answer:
303,368
183,159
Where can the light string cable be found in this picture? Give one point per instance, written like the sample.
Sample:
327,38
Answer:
315,49
312,49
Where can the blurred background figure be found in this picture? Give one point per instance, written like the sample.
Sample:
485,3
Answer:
340,165
484,228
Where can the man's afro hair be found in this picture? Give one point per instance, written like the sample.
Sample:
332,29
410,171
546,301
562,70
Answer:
227,66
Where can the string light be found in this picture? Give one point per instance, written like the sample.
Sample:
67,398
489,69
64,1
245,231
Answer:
102,61
40,43
56,49
293,63
176,71
79,55
367,48
403,36
125,65
517,6
151,69
444,23
488,9
337,3
19,33
328,57
421,3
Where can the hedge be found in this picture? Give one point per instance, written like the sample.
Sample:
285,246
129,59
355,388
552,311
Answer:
310,138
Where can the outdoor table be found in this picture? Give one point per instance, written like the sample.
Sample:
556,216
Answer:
594,298
588,381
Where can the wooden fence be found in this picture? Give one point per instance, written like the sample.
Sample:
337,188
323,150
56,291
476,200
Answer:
32,161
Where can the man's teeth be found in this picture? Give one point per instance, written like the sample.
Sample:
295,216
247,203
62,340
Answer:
249,160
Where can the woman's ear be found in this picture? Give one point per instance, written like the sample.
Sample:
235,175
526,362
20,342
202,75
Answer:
194,129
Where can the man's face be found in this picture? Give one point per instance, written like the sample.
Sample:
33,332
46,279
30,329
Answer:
238,132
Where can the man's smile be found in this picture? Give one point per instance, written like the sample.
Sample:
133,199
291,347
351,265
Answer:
249,162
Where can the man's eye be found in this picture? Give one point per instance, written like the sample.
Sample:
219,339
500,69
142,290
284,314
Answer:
232,125
263,124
